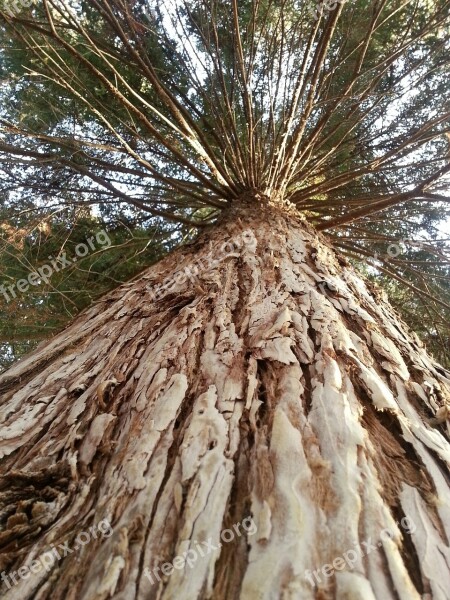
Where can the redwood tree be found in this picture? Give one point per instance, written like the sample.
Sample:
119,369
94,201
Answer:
249,415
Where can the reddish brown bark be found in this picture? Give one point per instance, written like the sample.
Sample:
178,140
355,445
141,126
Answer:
251,382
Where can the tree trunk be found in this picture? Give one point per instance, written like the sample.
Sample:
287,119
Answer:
251,419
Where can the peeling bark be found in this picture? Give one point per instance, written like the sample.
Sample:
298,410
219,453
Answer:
274,384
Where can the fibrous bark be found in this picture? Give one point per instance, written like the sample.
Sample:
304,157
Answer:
251,375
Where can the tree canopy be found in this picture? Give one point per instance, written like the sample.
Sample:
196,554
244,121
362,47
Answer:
165,113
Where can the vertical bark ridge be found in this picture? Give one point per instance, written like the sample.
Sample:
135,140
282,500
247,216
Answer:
273,383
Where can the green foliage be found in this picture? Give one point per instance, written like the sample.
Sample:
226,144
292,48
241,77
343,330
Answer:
95,255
